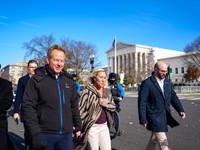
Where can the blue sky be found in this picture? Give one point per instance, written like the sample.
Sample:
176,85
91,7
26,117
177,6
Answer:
170,24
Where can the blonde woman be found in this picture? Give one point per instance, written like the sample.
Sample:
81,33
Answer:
95,105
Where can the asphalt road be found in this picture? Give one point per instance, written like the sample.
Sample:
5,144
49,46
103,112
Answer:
134,136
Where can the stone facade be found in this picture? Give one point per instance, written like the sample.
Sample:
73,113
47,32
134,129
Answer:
15,71
138,60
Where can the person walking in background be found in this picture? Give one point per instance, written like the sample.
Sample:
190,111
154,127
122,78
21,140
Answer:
6,99
95,105
32,65
116,90
117,93
78,88
50,104
77,85
154,100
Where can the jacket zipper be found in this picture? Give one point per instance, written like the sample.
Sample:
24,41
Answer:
63,96
61,120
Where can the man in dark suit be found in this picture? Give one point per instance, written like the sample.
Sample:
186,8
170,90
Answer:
154,100
32,65
6,99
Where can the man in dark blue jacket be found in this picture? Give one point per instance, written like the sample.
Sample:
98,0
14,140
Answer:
32,65
154,100
50,104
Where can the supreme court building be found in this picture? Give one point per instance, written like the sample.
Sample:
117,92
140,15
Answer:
137,60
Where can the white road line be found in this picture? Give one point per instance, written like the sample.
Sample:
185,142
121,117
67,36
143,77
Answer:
185,97
189,98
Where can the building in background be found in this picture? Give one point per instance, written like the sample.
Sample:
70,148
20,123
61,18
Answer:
13,72
178,68
84,74
139,60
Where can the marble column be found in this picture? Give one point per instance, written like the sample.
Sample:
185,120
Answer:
112,64
119,64
136,63
108,65
123,63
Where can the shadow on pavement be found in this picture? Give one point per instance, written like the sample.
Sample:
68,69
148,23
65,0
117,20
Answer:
17,141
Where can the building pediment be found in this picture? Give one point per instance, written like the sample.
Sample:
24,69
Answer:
120,45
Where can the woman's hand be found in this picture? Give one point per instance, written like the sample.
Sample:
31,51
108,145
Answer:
78,134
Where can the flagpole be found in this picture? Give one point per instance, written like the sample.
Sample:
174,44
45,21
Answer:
115,56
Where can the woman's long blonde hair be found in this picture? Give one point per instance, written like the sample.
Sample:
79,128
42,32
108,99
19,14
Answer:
94,74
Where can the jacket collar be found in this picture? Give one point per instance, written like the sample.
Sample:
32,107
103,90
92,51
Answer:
153,79
91,88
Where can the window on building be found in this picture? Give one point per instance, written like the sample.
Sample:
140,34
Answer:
19,67
170,70
176,70
176,80
13,67
12,70
182,69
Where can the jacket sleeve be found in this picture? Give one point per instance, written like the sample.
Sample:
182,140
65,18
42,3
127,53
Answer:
121,90
78,86
108,102
29,102
7,96
142,102
19,96
75,110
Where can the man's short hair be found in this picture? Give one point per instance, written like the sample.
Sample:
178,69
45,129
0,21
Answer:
32,61
53,47
156,66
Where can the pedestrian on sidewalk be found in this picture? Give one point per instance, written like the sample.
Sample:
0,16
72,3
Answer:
32,65
154,100
50,104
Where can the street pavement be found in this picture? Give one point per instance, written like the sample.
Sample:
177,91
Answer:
135,137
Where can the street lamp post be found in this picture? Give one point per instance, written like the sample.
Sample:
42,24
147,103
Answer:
92,62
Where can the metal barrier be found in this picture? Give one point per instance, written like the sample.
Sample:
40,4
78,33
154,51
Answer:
187,89
179,89
134,89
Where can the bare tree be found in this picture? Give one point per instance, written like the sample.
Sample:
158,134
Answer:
77,52
192,53
192,74
37,48
7,76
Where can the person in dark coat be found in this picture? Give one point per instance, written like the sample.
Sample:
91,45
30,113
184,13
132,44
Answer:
50,104
6,99
154,100
32,65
